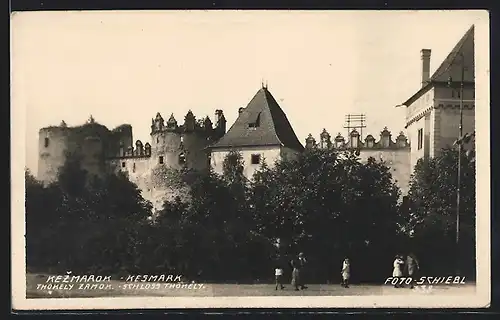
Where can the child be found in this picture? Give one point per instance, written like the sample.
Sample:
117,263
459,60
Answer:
278,272
346,273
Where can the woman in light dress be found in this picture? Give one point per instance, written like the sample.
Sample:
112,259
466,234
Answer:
346,273
398,269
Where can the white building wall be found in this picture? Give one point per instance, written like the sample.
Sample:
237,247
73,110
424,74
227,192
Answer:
269,154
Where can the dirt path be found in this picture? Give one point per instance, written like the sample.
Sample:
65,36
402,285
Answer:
119,288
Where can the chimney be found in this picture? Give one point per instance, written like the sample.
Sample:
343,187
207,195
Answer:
426,65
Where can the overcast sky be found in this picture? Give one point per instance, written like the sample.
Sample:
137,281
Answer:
124,67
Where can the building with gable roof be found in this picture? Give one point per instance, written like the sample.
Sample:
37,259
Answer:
261,132
433,111
432,116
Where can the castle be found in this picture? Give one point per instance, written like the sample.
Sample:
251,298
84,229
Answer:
102,151
262,132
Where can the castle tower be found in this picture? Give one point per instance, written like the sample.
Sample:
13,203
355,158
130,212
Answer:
165,142
52,147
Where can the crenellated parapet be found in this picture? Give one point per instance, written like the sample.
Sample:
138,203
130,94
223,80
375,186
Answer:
354,141
203,127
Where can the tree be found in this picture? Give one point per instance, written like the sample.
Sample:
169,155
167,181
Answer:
95,221
432,211
330,205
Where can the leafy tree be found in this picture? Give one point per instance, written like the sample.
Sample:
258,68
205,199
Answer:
432,211
84,223
329,205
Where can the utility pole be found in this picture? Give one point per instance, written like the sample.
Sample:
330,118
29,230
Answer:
460,148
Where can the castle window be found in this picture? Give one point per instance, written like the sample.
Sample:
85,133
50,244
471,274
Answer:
46,142
420,138
157,140
161,159
133,168
123,164
255,158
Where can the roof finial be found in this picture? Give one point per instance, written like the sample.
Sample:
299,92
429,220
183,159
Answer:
266,85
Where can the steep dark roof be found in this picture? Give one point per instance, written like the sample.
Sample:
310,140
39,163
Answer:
451,66
273,127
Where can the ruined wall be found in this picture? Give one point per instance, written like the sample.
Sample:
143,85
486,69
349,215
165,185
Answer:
52,147
151,166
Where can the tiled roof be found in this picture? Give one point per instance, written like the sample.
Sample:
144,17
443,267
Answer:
452,65
261,123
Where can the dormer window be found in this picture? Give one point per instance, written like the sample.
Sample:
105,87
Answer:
255,121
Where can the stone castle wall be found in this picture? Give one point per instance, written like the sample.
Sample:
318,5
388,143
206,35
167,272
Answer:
101,150
394,152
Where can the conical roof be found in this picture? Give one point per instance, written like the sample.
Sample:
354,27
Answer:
261,123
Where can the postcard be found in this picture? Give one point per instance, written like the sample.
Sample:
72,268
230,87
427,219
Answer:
250,159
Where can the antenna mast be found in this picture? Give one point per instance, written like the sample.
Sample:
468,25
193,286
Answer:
355,121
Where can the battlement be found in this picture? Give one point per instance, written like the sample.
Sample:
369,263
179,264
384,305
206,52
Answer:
203,126
385,141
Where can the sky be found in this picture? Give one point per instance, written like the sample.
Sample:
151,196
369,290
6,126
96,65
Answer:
124,67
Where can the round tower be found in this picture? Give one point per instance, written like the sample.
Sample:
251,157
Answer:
165,142
52,148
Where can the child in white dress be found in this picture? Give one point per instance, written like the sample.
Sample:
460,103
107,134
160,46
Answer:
278,272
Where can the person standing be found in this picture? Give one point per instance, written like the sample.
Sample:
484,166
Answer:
346,273
278,272
412,268
297,273
397,272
